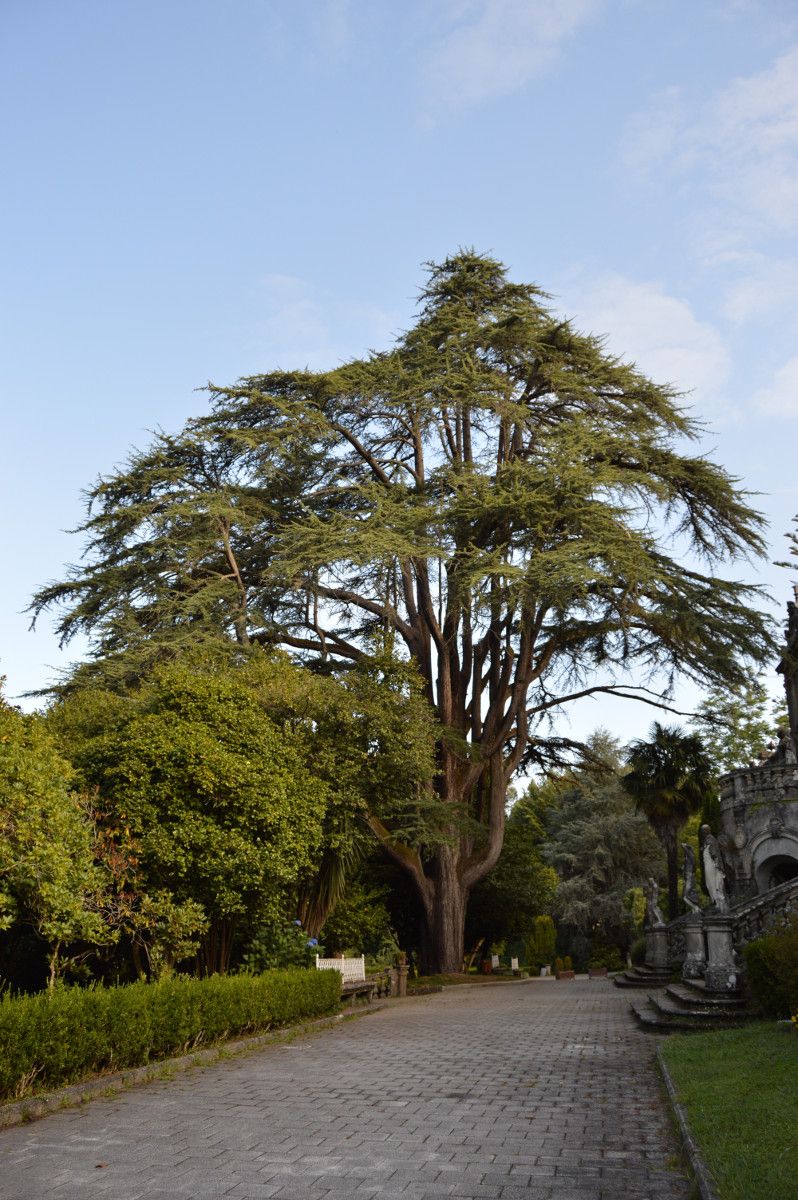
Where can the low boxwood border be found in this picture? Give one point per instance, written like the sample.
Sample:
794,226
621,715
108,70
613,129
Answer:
64,1036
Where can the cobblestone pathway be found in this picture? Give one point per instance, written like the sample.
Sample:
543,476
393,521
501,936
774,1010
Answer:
511,1092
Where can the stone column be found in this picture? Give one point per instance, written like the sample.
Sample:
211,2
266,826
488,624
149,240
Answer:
722,973
401,971
695,956
657,949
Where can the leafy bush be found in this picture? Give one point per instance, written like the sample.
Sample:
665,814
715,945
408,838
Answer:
68,1033
568,963
606,956
280,944
772,970
558,966
540,945
638,951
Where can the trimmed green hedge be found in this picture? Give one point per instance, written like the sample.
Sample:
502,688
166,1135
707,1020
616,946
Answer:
771,964
58,1037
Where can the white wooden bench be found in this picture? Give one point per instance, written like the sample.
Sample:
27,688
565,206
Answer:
353,974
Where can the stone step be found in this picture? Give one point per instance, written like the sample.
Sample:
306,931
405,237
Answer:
699,987
650,1019
639,979
700,998
667,1008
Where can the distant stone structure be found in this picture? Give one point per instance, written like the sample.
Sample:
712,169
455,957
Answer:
750,872
759,803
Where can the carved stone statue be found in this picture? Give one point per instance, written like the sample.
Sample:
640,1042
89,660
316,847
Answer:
654,917
714,872
786,748
689,893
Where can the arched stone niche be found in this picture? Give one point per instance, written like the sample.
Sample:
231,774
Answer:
774,861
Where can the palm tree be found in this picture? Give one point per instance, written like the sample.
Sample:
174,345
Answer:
669,779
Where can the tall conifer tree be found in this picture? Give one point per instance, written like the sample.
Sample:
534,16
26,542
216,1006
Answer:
495,498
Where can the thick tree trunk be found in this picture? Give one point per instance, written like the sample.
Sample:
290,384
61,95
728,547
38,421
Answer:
446,917
444,881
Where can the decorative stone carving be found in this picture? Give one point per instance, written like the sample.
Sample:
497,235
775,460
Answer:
654,917
714,873
689,893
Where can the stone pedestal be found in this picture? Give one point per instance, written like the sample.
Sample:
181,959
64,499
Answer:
722,973
657,949
695,957
401,982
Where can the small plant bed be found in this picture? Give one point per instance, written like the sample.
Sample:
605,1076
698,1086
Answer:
426,983
67,1035
738,1088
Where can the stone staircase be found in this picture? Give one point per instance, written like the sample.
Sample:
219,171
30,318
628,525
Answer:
689,1007
640,977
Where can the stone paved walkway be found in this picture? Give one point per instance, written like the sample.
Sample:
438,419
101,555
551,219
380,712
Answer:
514,1092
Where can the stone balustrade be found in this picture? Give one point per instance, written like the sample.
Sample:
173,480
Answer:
756,916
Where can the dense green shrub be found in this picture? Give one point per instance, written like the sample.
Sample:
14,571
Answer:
772,970
68,1033
540,944
606,956
280,943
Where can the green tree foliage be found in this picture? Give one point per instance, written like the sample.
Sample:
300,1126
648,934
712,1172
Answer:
541,943
736,725
369,736
361,923
495,497
669,778
600,847
223,811
248,756
49,876
505,904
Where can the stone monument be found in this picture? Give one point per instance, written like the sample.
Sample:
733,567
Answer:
656,931
722,973
714,872
695,957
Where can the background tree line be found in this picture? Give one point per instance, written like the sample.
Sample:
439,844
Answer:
217,816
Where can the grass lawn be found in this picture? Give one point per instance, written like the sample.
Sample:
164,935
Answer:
740,1089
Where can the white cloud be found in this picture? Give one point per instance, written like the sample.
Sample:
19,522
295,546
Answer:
303,326
763,286
740,147
731,163
781,397
751,132
330,25
660,333
495,47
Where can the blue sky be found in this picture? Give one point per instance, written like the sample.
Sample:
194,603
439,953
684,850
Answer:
199,189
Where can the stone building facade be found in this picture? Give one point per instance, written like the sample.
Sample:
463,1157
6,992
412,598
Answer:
759,803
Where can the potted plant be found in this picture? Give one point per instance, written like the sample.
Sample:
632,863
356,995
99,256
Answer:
564,968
